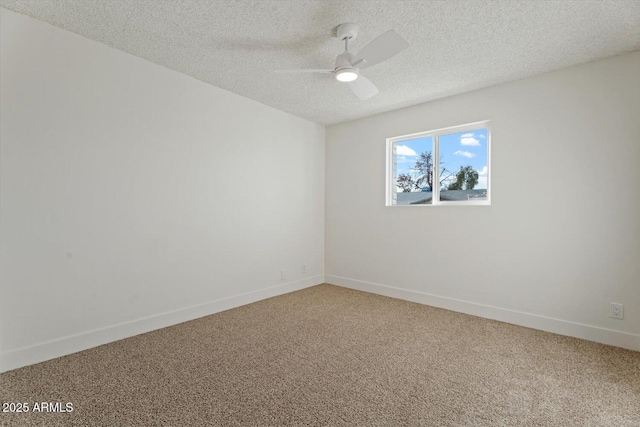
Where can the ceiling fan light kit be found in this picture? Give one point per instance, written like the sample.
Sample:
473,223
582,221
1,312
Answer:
348,65
347,75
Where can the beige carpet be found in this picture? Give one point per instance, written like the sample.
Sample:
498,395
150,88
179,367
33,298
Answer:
332,356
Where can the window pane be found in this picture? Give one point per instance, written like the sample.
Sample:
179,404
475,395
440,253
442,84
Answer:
413,171
463,166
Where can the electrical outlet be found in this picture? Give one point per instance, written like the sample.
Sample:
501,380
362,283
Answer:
304,269
282,276
616,311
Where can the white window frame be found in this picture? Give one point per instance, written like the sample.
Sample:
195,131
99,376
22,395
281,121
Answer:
436,134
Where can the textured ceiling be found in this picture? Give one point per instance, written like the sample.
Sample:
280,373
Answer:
456,46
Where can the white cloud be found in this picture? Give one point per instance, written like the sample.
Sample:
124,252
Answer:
403,150
469,140
482,178
464,153
482,183
481,136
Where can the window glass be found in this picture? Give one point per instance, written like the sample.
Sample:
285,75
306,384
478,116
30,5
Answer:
414,171
463,165
440,167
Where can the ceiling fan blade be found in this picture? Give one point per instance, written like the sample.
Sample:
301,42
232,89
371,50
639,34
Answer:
363,88
304,71
381,49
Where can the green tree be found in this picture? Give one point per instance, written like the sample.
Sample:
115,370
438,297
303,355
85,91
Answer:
470,177
458,183
466,177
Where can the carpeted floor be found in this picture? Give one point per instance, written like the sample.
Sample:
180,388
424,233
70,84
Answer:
332,356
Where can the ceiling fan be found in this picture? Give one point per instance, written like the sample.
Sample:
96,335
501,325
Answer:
348,65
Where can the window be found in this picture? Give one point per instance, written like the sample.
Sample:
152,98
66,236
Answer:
449,166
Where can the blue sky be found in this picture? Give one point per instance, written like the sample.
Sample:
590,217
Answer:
456,149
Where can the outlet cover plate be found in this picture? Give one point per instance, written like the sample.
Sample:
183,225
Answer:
616,311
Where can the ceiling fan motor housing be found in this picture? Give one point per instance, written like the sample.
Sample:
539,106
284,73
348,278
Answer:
344,60
345,71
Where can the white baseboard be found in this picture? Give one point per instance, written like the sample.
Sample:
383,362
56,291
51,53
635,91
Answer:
20,357
534,321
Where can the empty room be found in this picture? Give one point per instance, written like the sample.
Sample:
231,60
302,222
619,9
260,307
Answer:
331,213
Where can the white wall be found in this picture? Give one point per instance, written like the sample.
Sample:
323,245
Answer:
562,237
133,197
